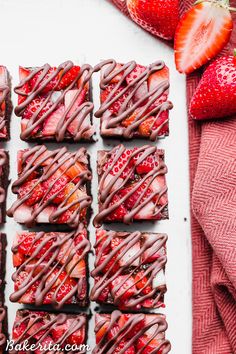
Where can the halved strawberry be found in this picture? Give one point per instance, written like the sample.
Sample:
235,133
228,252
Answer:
51,122
124,159
156,78
141,283
35,105
123,287
76,268
119,213
33,190
201,34
114,108
25,89
68,77
18,329
50,85
28,245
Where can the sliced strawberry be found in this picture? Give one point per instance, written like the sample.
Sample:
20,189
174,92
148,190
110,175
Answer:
101,333
201,34
51,122
23,213
114,108
158,17
131,201
113,332
104,293
124,159
121,345
63,291
76,268
51,84
130,253
124,291
147,212
119,75
129,120
23,74
135,73
55,187
124,318
65,217
18,259
149,348
77,337
35,105
70,96
18,330
72,170
73,195
33,190
68,77
119,213
147,165
58,331
44,216
141,283
156,78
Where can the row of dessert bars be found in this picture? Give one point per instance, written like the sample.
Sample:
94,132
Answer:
53,187
55,103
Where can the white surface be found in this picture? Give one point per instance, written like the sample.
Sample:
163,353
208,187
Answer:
35,32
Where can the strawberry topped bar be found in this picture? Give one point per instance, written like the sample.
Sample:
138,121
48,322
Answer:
121,333
51,268
52,187
5,103
129,269
49,329
55,102
134,100
132,185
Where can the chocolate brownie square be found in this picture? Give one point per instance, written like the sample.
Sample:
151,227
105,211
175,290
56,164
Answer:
51,268
52,187
55,103
129,269
130,333
49,330
132,185
134,100
5,103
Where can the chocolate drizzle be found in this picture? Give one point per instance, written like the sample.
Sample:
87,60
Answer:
155,323
39,326
63,255
59,161
80,118
142,101
134,251
107,190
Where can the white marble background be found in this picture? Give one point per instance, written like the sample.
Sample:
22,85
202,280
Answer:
34,32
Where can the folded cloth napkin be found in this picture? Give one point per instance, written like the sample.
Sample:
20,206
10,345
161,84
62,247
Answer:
212,147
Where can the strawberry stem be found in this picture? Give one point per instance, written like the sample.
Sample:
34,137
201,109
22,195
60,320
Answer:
234,52
222,3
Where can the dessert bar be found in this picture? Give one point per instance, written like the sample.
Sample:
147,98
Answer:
51,268
134,100
3,309
129,269
54,103
4,171
43,329
132,185
130,334
52,187
5,103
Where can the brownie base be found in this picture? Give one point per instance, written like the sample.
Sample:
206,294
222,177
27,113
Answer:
3,309
4,182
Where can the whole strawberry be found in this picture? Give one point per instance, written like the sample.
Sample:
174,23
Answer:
160,17
215,96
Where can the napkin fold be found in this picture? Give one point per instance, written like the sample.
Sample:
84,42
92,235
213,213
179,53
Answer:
212,150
